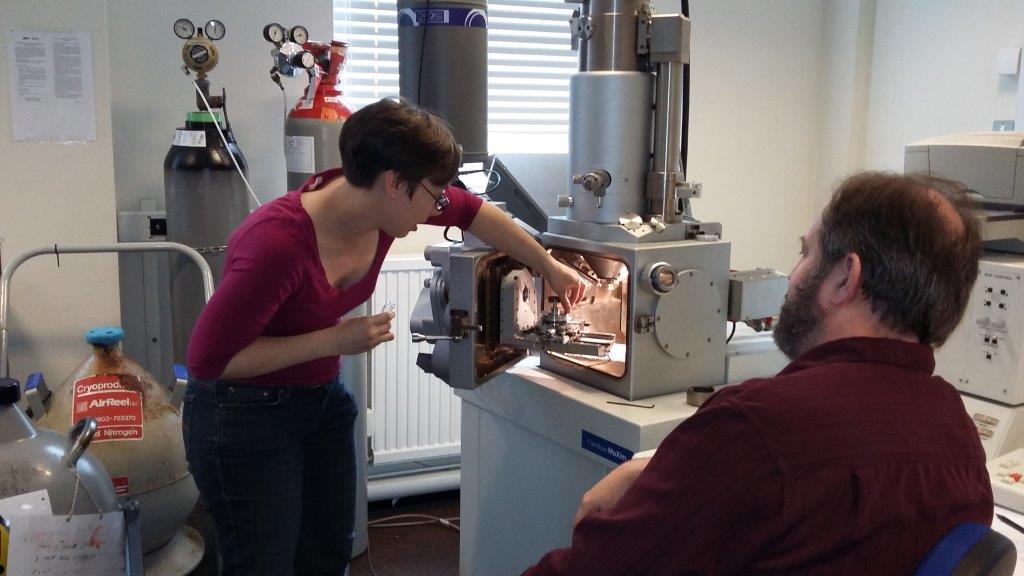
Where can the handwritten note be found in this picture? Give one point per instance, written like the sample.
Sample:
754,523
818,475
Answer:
58,545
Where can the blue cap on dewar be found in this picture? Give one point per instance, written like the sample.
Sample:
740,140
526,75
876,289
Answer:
104,335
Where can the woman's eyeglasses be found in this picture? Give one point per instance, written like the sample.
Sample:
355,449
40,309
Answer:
440,202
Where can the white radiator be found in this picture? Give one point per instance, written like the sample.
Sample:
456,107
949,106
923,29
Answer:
413,415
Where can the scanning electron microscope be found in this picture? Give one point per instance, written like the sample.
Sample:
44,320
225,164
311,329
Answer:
657,279
612,377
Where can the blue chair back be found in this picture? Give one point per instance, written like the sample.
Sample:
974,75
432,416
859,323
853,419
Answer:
970,550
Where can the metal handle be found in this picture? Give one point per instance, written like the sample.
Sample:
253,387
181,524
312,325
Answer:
80,436
432,338
12,266
595,181
460,333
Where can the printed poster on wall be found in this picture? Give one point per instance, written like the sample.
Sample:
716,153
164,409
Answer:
51,86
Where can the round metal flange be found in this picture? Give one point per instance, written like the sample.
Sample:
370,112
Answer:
686,319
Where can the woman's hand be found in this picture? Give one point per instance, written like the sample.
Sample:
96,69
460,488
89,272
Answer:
362,333
565,282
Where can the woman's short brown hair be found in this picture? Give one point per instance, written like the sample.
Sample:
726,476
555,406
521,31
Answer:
396,135
919,259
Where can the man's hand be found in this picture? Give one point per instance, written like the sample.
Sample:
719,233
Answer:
606,493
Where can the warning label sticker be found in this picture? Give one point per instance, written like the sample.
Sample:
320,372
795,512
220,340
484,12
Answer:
120,485
117,411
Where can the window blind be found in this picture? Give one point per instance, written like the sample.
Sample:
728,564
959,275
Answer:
529,61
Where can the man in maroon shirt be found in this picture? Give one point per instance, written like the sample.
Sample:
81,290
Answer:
854,459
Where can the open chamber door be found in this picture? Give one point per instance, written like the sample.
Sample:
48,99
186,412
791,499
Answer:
459,312
484,312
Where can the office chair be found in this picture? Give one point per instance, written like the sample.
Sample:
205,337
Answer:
970,550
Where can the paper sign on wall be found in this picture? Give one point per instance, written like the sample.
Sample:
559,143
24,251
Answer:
51,86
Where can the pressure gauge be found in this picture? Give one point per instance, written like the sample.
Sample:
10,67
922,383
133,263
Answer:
214,29
306,59
299,34
184,28
274,33
199,55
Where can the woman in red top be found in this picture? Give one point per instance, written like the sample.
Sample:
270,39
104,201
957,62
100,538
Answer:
268,425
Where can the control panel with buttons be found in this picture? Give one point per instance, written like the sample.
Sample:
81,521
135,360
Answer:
1000,427
982,357
1006,473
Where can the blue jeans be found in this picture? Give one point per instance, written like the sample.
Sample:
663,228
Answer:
276,470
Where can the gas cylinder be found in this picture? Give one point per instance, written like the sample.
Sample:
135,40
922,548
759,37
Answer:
138,438
313,126
206,200
36,459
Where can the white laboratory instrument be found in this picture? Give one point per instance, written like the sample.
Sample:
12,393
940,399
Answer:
989,163
534,441
613,377
1006,472
983,357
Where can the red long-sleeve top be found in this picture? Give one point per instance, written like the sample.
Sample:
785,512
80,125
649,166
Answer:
274,284
854,460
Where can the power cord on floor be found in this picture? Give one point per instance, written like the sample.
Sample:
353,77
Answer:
424,520
388,523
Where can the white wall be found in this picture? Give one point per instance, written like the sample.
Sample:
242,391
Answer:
845,84
755,122
933,72
57,193
151,95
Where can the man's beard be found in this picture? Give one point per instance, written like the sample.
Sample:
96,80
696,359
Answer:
800,317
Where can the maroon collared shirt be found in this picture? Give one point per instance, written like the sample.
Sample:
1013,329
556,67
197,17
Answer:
854,459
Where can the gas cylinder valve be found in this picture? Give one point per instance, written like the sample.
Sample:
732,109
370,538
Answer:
289,56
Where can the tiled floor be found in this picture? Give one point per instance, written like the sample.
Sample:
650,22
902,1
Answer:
424,550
